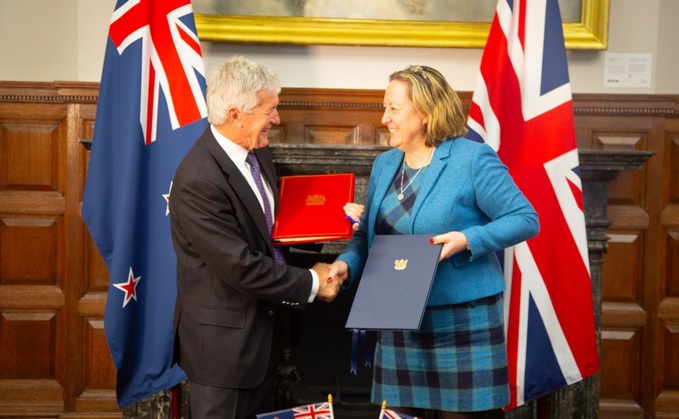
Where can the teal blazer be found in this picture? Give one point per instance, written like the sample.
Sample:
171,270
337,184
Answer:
468,189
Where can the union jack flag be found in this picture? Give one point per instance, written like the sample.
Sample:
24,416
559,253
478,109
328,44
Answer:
151,108
390,414
311,411
314,411
171,57
522,107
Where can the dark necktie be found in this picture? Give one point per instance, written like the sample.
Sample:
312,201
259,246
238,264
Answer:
268,213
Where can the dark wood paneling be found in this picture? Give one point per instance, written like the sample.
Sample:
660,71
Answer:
667,404
54,360
32,209
636,337
331,117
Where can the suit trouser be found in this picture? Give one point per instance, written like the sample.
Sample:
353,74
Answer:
209,402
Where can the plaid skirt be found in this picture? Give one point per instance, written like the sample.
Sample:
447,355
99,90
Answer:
456,362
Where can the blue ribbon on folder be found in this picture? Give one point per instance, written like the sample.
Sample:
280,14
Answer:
354,349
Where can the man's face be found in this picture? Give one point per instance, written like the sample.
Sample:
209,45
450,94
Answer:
256,125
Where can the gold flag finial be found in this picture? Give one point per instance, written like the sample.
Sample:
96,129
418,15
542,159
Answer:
329,398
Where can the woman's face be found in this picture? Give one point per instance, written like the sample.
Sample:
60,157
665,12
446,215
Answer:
406,125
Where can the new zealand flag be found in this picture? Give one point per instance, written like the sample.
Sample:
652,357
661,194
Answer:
151,108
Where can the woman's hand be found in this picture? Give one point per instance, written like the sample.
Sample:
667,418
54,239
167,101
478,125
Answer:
339,272
453,242
354,212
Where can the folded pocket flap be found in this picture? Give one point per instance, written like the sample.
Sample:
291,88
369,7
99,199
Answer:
219,316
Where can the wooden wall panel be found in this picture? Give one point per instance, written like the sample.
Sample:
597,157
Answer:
34,149
635,267
49,361
29,342
620,349
623,317
622,270
29,251
625,287
670,218
627,188
99,375
32,237
331,116
668,309
672,263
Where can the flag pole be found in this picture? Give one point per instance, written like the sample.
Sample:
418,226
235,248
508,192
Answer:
176,399
542,407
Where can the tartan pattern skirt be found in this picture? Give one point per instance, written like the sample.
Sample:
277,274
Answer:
456,362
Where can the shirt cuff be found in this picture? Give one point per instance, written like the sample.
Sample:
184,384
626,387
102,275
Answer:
314,286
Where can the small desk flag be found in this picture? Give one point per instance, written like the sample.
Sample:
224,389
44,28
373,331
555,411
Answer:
310,411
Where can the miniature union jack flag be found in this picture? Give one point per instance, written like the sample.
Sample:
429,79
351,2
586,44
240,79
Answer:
151,108
390,414
522,107
310,411
314,411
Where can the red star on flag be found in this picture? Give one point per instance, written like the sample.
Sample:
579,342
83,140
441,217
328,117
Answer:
129,287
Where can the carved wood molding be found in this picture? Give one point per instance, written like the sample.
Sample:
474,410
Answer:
610,111
666,106
49,92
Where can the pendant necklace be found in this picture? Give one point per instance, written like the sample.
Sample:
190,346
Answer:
403,169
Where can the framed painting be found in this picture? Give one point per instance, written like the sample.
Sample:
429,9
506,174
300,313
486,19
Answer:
410,23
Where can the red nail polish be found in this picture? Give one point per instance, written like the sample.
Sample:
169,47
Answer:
431,240
330,279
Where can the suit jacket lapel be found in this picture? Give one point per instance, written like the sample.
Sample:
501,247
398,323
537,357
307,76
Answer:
238,183
438,163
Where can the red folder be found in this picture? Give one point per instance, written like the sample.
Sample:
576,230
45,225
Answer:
310,208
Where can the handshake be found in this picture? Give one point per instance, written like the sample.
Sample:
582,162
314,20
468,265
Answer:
330,278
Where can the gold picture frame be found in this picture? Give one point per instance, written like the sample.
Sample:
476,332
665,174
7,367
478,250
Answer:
591,33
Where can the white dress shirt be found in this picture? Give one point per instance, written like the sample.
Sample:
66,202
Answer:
237,154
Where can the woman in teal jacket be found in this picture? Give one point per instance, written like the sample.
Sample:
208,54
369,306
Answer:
458,191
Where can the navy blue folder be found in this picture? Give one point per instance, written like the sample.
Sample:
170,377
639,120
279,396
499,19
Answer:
394,288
